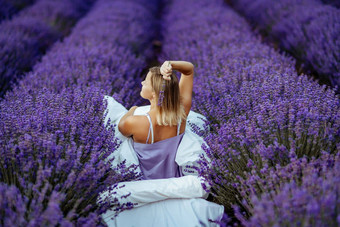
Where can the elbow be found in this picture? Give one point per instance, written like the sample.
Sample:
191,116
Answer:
192,68
189,70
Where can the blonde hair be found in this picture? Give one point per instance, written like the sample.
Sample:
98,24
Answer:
171,111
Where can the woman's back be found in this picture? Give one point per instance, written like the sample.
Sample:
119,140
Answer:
160,132
157,158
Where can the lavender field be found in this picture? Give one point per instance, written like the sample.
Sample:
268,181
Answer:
273,131
26,37
307,29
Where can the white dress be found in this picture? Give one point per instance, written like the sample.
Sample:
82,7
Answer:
162,202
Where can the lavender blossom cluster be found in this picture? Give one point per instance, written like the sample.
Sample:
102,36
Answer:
10,8
309,30
54,145
261,112
27,37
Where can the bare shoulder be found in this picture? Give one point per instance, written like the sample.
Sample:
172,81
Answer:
135,120
138,118
130,126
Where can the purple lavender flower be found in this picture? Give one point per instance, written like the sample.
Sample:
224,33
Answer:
12,205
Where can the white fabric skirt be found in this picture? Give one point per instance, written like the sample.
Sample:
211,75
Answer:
169,213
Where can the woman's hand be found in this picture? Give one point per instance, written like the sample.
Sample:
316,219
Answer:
166,70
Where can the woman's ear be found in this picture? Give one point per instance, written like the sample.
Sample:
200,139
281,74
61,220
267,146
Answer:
153,95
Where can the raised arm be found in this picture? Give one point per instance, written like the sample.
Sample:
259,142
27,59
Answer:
186,82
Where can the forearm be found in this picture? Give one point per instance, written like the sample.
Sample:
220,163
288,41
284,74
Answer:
184,67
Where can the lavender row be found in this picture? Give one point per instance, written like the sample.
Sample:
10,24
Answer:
27,37
10,8
309,30
54,144
260,111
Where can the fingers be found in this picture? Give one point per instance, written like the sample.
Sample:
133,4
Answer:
166,65
166,72
166,76
169,66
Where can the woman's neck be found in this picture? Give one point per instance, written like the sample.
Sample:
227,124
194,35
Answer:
153,106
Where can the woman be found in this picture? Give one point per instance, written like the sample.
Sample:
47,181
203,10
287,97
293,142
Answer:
168,195
157,134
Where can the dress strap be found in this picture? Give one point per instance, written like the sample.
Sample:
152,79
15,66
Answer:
150,129
178,128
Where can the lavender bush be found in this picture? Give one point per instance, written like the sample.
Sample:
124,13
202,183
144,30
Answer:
260,111
307,29
26,38
54,141
301,194
9,8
